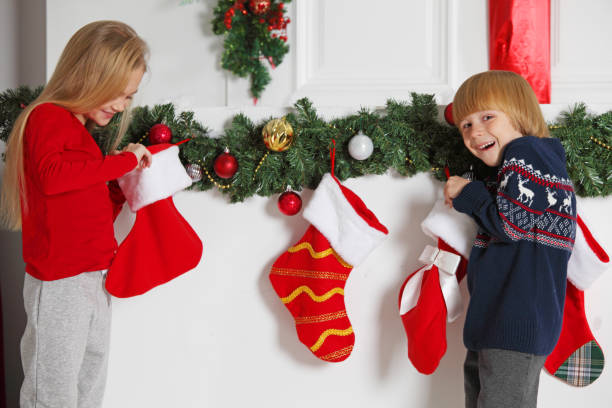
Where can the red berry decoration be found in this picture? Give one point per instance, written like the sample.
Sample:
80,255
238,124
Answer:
289,203
448,114
160,133
226,165
259,6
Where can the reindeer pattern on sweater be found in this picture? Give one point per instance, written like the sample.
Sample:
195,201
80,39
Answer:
535,206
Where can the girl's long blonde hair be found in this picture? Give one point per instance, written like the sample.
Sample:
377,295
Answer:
93,69
503,91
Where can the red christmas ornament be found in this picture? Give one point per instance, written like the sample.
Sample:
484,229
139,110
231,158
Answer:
226,165
259,6
448,114
160,133
289,203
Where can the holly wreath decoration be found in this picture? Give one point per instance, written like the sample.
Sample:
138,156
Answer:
255,34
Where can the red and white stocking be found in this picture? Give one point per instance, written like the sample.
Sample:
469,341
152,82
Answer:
310,277
430,296
577,358
161,245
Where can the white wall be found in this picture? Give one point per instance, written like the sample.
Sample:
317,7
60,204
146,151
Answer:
218,335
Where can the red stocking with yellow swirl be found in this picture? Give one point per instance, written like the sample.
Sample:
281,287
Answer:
309,277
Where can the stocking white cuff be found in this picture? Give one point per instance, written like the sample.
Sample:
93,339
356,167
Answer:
585,266
456,229
165,177
333,215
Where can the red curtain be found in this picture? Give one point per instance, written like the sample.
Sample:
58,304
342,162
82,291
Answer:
519,41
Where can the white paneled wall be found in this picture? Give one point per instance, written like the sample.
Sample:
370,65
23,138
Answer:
218,336
347,54
581,58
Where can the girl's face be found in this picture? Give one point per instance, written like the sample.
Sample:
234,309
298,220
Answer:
486,134
103,114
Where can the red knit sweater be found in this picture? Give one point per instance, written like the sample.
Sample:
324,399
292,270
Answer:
67,227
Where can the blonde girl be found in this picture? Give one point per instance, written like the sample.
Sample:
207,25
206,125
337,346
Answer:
58,189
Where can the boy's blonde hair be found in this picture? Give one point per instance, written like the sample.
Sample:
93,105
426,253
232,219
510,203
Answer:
94,68
503,91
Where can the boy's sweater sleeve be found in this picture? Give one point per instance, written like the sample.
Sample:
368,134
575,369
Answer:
475,201
46,135
526,190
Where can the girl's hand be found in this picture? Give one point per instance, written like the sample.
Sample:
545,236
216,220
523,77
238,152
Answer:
143,154
453,187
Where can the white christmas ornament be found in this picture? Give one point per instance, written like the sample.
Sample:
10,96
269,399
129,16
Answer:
360,147
195,172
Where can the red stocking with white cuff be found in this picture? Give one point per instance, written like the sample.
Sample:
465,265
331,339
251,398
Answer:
577,358
161,245
430,297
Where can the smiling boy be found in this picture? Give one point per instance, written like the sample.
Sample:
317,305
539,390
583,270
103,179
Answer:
518,264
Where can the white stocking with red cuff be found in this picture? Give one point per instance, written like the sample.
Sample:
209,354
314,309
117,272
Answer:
161,245
577,358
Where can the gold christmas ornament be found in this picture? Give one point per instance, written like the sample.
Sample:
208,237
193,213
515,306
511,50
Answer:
277,135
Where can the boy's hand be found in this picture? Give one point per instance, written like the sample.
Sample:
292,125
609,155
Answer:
453,187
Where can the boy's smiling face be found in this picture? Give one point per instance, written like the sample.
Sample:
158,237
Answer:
486,134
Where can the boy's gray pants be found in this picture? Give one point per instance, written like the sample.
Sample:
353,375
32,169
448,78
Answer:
497,378
64,349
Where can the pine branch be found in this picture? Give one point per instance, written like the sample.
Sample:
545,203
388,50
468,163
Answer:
12,103
251,40
407,138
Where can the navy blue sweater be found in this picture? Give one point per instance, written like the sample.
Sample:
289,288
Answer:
518,265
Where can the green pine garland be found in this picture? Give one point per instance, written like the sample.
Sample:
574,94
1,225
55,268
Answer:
251,39
407,137
12,101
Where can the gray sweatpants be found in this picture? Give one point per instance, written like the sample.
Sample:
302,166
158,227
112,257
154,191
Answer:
495,378
64,349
